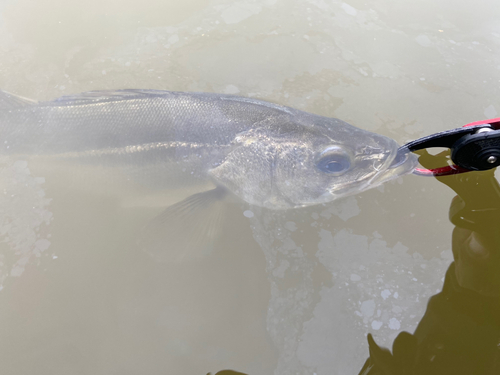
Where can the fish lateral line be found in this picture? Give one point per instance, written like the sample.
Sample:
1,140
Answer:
133,149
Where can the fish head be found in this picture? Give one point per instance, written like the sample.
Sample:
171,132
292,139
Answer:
308,161
332,159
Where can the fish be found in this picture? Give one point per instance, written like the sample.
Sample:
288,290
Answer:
265,154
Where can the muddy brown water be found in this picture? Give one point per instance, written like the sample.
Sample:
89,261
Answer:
291,292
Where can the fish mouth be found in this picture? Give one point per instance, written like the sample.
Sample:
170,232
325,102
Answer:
401,157
404,162
392,167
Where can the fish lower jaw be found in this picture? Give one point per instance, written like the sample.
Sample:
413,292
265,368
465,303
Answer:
393,173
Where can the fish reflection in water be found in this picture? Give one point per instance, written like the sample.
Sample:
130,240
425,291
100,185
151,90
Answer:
265,154
460,331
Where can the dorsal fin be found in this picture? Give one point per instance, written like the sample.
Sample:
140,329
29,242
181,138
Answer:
109,95
11,101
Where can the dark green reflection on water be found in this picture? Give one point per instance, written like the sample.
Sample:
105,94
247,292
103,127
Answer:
460,331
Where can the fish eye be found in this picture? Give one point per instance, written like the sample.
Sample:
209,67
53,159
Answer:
334,161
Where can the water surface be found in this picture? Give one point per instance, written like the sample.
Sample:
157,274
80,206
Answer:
291,292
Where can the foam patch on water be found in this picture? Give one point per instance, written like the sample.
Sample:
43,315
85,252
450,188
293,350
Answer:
387,293
24,215
374,288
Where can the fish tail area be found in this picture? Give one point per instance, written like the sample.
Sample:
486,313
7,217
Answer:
185,231
19,130
10,101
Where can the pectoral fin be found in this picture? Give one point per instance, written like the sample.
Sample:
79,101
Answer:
187,230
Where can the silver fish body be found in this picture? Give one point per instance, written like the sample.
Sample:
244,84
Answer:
266,154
